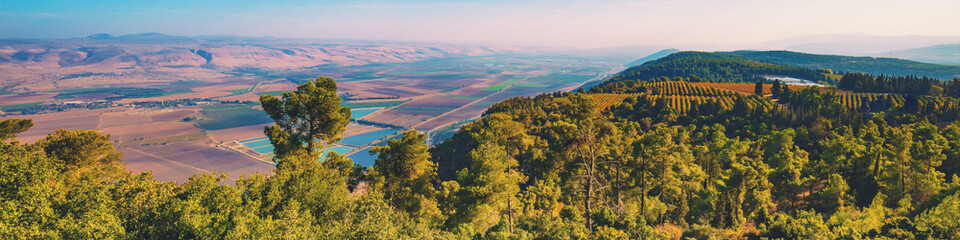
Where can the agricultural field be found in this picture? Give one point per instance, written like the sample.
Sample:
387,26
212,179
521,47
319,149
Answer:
424,95
231,116
746,88
151,130
179,161
367,138
362,112
606,100
44,124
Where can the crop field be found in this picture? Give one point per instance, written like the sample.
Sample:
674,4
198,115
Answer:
504,84
238,133
421,95
108,120
362,112
745,88
433,104
177,115
202,92
354,129
179,161
18,107
466,112
381,104
26,98
399,118
216,119
561,79
606,100
151,130
119,92
44,124
367,138
164,140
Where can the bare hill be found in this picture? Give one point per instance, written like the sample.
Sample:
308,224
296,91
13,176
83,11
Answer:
32,65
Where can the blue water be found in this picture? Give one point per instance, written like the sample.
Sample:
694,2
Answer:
264,149
359,113
363,139
364,158
263,146
256,144
339,150
253,139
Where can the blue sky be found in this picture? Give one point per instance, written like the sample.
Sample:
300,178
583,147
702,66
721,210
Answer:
536,23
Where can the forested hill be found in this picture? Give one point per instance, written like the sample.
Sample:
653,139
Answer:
870,65
717,67
751,66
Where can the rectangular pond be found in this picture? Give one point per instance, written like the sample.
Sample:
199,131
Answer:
258,143
339,150
363,139
264,149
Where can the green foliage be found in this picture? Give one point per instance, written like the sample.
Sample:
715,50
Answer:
121,92
860,82
941,221
306,116
719,67
758,89
404,173
488,189
806,225
9,128
871,65
19,107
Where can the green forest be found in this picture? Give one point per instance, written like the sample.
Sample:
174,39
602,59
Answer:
753,66
716,67
868,65
680,162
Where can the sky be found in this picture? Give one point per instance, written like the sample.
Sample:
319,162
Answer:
557,23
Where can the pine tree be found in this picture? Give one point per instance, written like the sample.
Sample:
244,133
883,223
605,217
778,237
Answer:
775,89
758,90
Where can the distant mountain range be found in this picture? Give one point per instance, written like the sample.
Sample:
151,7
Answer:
930,49
30,65
942,54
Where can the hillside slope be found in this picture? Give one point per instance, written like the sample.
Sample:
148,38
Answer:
871,65
715,67
939,54
33,65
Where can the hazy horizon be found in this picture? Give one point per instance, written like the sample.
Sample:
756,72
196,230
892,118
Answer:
570,24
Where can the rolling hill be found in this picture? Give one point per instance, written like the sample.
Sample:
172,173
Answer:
940,54
139,60
721,67
751,66
871,65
